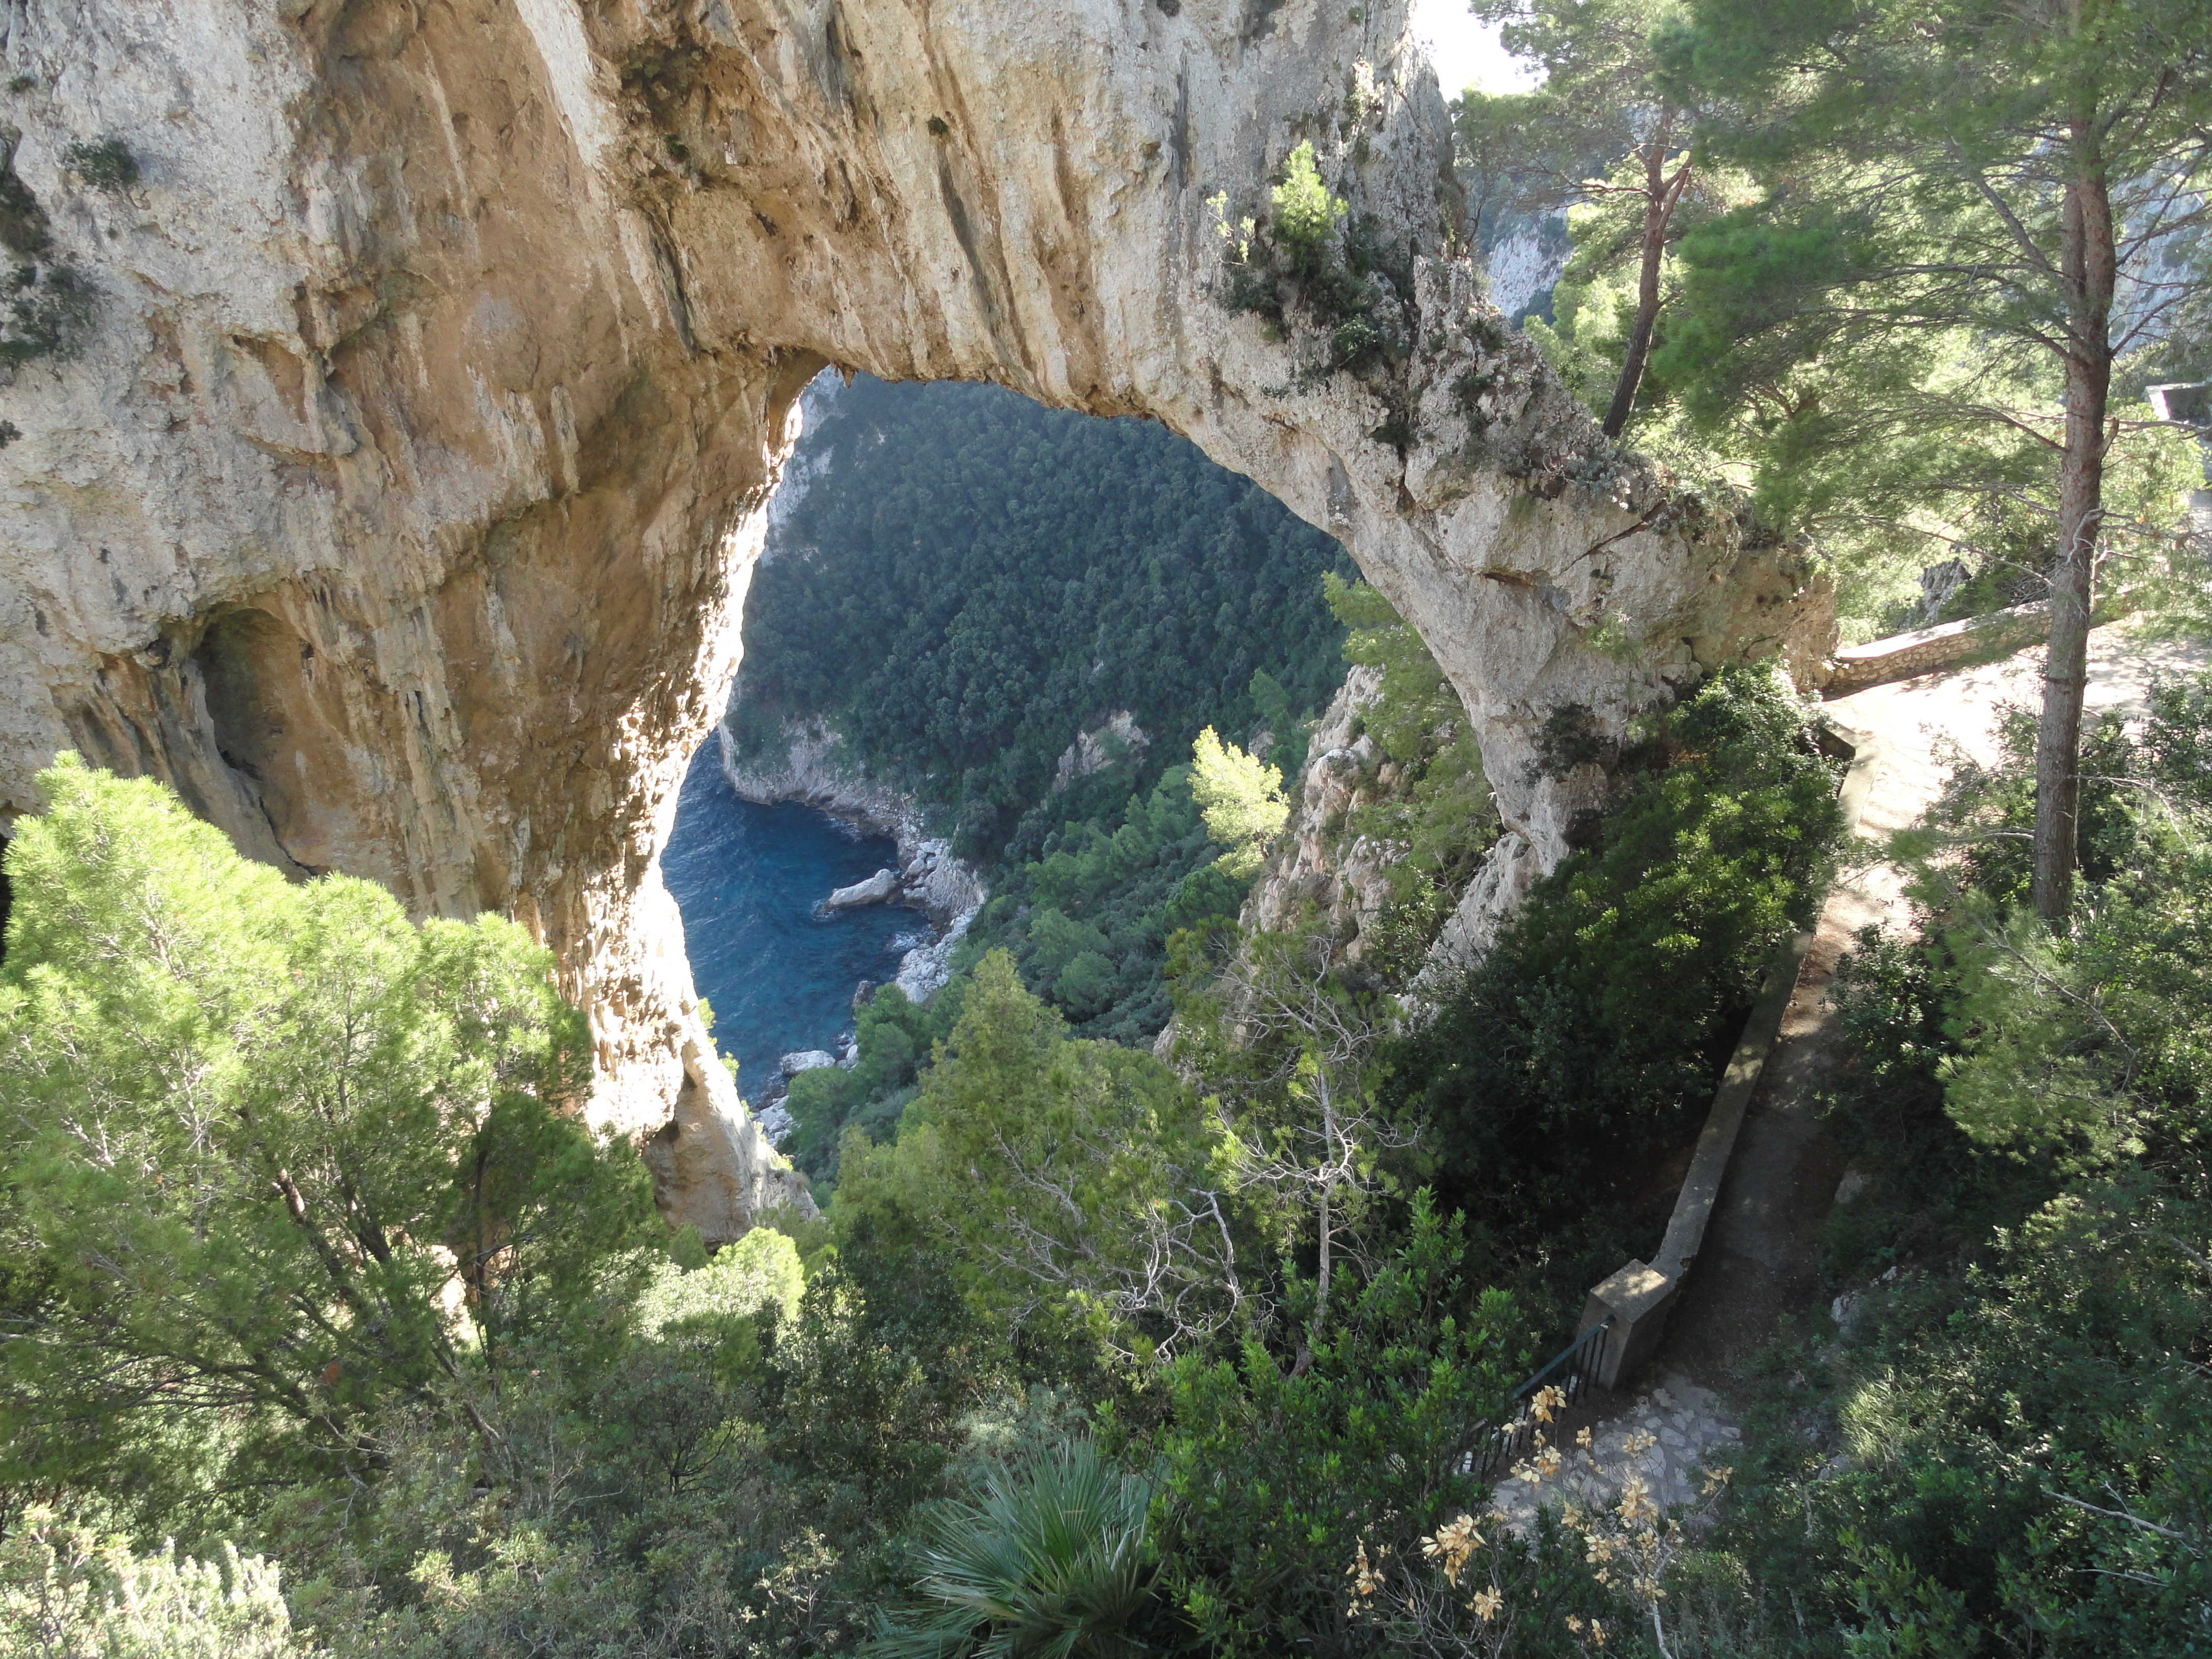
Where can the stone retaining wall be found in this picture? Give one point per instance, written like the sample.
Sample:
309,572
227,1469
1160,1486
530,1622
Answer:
1639,1295
1901,656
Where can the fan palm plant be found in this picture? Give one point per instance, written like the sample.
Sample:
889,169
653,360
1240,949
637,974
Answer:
1051,1562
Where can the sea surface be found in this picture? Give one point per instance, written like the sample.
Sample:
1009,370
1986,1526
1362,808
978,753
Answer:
747,879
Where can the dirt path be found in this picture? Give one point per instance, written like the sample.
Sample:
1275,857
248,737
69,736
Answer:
1760,1260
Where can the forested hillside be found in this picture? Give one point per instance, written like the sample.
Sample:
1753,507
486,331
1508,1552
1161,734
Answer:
969,584
987,579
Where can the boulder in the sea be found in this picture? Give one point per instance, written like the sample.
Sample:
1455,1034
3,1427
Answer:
806,1060
874,891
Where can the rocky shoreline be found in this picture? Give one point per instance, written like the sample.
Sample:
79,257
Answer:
945,889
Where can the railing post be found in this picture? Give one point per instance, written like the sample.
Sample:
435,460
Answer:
1636,1300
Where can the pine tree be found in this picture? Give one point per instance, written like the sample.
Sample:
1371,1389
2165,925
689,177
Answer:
2019,171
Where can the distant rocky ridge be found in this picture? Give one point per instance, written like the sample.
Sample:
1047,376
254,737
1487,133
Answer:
1094,749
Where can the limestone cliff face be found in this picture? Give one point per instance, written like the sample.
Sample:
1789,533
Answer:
1322,873
395,493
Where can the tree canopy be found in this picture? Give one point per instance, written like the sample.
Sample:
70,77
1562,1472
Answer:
257,1137
2028,179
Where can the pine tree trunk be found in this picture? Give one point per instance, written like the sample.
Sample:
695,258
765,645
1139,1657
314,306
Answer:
1659,197
2090,272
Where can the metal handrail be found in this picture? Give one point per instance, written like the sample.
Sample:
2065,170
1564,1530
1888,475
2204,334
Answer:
1570,1370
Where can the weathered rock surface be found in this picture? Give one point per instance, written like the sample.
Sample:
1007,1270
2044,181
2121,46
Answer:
1092,750
924,971
876,890
806,1060
397,498
1322,873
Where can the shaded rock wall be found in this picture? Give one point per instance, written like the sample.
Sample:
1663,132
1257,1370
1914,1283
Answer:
396,497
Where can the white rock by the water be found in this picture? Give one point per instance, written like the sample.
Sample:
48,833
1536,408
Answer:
806,1060
874,891
775,1122
923,970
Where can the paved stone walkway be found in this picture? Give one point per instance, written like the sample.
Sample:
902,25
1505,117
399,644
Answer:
1759,1259
1669,1431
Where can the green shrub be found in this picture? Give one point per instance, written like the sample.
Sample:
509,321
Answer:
1051,1559
760,1271
103,163
1275,1471
1920,1488
1603,1013
250,1130
68,1593
48,307
1306,215
1311,256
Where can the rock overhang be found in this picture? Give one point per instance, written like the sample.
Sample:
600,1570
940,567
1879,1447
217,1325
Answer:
458,347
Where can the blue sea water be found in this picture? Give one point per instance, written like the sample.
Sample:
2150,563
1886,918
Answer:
747,879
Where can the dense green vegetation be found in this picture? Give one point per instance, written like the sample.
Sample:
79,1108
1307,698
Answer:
1091,1349
1847,250
1588,1037
2003,1449
1091,925
987,579
387,1317
327,1328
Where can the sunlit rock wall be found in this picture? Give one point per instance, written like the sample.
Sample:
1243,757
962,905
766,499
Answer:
395,493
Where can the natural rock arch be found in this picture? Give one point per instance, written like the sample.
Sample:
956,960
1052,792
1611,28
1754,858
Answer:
440,367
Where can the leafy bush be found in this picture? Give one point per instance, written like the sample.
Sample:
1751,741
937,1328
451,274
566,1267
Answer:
1306,215
48,306
1241,799
250,1130
1603,1013
1310,256
761,1270
2021,1455
1058,1173
1275,1471
2088,1044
